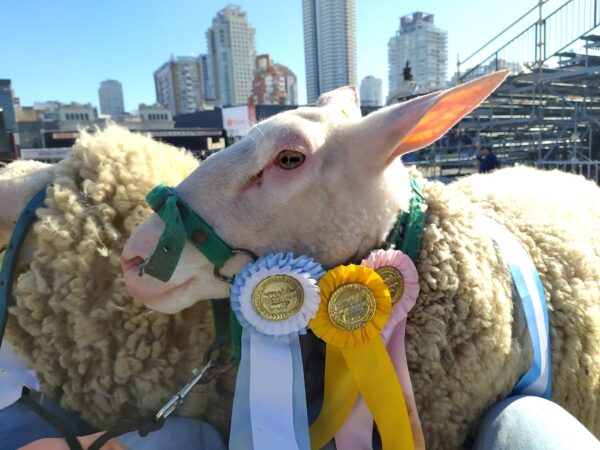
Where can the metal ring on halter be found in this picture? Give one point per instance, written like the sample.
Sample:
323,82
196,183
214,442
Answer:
219,276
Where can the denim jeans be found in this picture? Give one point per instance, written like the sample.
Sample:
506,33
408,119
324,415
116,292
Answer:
532,423
19,425
517,423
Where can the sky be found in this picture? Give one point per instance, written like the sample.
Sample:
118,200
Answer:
62,49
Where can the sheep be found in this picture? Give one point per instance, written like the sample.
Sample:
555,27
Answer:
326,183
93,349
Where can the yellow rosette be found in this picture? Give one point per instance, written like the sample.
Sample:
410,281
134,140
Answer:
355,306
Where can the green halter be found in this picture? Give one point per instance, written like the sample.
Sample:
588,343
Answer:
181,224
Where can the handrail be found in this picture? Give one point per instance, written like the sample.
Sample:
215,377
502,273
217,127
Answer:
540,31
502,32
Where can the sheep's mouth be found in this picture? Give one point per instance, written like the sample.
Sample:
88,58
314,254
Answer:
163,297
151,291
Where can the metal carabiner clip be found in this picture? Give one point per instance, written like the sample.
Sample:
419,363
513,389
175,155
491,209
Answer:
178,398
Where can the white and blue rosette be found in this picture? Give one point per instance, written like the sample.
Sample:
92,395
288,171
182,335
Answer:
273,299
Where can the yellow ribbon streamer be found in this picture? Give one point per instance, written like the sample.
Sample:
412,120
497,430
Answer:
356,362
378,384
339,396
366,369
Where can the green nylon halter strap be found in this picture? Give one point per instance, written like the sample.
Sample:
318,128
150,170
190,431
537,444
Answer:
407,233
181,225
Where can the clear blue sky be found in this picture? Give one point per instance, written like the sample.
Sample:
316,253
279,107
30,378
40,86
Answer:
62,49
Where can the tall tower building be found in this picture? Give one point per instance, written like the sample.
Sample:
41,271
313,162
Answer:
208,86
7,108
329,45
232,50
178,84
111,98
424,46
371,91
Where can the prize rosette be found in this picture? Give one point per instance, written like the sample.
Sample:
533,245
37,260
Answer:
402,280
355,307
273,299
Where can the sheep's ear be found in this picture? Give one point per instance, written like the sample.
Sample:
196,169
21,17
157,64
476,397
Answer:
344,99
399,129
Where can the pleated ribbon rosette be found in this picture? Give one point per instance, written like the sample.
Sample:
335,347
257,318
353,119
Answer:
402,280
273,299
355,307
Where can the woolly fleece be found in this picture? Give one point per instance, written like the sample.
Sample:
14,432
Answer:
466,340
467,344
92,348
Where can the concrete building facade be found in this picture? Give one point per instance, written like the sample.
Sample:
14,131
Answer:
425,47
111,98
232,51
273,84
371,93
329,45
178,84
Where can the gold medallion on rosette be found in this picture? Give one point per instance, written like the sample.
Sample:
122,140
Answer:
278,297
355,305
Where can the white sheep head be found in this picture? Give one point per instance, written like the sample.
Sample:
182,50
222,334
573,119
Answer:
319,181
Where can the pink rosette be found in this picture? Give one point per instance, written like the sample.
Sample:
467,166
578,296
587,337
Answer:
403,264
357,431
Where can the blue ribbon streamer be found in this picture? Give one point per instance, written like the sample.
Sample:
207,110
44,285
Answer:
538,379
241,436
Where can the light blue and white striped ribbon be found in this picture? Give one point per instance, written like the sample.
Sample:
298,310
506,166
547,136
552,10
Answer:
269,409
537,380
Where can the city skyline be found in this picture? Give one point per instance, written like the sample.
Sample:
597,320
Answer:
85,51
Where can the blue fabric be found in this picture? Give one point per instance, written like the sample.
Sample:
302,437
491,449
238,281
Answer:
20,425
177,433
532,423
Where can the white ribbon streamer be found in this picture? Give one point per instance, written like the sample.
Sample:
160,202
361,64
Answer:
271,391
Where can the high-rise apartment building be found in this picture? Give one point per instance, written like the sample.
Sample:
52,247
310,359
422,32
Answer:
425,47
7,108
178,84
111,98
371,91
208,86
232,50
329,45
273,84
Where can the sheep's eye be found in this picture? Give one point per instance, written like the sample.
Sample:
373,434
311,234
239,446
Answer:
289,159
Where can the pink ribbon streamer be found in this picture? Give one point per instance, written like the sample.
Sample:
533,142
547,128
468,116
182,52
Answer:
357,432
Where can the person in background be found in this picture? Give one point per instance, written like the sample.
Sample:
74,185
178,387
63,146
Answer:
487,160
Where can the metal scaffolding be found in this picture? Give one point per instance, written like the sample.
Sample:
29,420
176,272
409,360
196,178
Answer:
547,113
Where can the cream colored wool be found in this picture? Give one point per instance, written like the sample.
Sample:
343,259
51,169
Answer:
466,341
467,344
14,170
92,348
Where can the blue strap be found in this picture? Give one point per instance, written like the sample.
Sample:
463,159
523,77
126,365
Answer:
538,379
9,262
